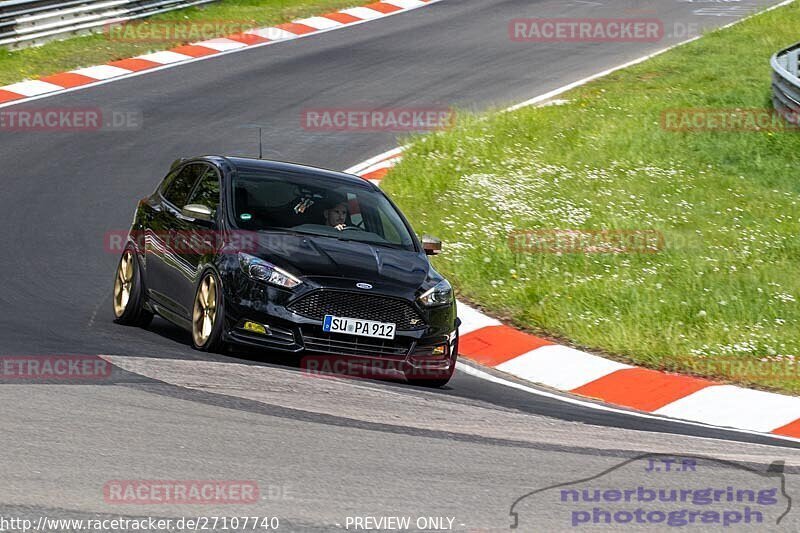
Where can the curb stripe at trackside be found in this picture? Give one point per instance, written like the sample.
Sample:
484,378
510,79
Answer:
164,58
54,84
383,7
319,23
473,320
363,13
31,88
272,34
101,72
134,64
222,44
375,171
8,96
296,28
560,367
641,388
247,39
194,50
405,4
344,18
792,429
490,343
68,79
727,405
495,345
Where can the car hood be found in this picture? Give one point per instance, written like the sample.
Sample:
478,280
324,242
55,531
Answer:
313,256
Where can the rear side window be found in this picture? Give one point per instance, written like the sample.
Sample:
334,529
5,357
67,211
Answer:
181,185
207,191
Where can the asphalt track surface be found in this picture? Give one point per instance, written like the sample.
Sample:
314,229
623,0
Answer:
321,450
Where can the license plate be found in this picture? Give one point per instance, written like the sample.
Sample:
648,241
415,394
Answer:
357,326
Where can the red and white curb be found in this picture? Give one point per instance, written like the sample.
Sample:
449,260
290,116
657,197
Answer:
376,168
84,77
492,344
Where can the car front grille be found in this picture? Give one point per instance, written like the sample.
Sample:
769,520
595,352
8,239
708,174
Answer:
315,305
316,340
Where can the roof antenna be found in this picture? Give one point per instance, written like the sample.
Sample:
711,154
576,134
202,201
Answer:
249,151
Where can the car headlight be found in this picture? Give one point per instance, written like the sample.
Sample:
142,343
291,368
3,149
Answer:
440,294
265,271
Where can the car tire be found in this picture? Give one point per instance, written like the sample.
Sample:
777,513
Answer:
128,298
208,314
438,380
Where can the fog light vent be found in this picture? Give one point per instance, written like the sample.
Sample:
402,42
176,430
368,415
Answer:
253,327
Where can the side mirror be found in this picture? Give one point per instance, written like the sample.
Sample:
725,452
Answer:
431,245
198,212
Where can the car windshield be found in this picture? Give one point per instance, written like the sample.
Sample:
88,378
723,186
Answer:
315,205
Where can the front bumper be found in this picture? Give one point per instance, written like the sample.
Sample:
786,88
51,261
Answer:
432,347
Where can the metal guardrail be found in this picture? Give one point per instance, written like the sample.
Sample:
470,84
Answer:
786,83
30,22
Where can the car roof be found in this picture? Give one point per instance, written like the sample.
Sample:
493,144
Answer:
248,163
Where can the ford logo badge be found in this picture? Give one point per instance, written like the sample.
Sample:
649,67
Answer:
363,285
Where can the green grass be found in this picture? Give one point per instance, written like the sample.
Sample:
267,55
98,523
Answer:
60,56
725,287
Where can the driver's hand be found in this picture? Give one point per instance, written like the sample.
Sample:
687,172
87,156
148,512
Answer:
340,227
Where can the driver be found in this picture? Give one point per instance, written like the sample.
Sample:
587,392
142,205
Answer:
336,216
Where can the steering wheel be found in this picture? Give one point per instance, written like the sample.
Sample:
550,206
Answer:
344,228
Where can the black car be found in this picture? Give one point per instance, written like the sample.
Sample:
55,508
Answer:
288,257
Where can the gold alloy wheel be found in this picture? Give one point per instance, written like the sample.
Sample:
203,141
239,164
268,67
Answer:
205,310
123,283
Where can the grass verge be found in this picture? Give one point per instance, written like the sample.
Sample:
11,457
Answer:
96,49
719,299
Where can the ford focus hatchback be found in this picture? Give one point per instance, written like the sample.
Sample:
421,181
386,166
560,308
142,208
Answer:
289,258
